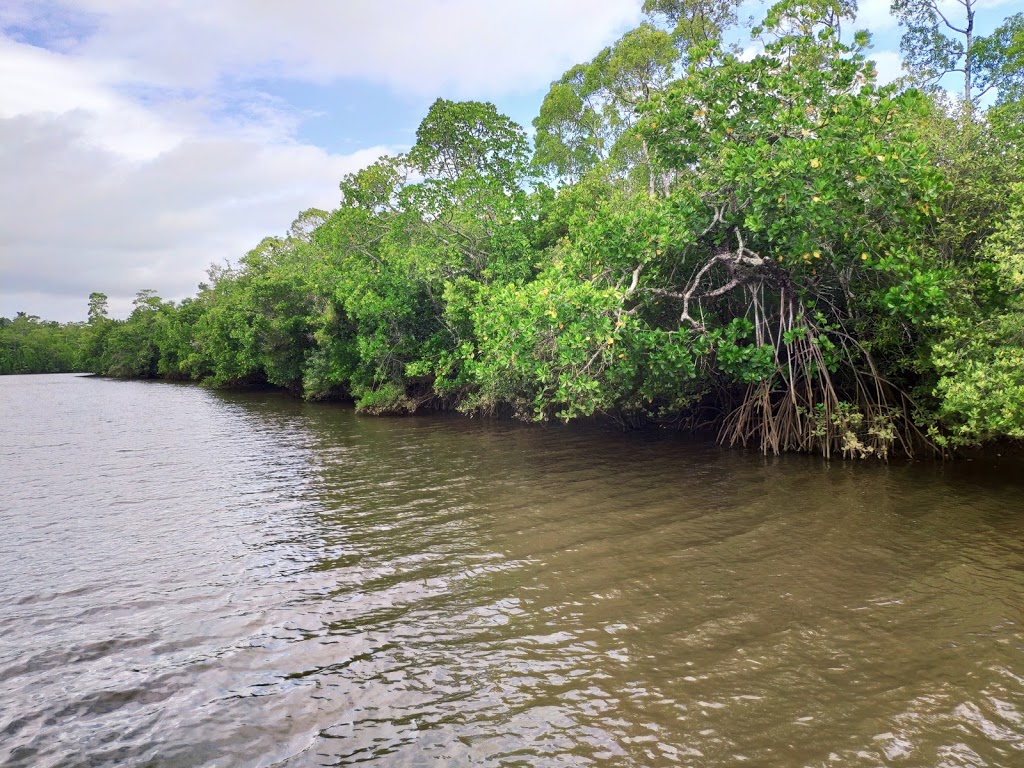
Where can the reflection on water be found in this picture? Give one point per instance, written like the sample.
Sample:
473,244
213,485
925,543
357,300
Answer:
197,578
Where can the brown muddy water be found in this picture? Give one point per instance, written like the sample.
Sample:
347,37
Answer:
194,578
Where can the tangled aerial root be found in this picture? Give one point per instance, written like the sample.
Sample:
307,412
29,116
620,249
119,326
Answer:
801,407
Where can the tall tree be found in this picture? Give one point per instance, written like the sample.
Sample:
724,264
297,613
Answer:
935,43
474,164
938,42
571,135
97,307
588,115
1000,59
464,139
694,22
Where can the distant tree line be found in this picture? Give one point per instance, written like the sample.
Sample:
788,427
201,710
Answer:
773,247
31,345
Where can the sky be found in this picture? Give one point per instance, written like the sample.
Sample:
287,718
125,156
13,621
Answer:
141,142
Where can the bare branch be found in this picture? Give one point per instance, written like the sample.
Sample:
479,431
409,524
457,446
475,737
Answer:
722,289
946,21
633,283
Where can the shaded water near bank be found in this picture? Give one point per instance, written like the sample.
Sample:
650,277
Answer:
192,578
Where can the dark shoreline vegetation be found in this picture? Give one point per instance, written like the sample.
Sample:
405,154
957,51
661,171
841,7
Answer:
776,250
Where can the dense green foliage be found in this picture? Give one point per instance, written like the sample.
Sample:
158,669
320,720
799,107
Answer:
773,247
31,345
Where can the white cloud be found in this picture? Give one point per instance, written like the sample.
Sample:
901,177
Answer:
751,51
102,193
874,15
889,65
37,81
81,219
420,46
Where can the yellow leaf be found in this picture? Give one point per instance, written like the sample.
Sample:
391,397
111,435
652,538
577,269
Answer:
815,163
610,342
863,257
861,178
880,158
817,254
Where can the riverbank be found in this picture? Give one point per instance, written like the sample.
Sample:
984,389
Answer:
998,455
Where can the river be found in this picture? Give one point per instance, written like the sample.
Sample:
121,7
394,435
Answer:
200,578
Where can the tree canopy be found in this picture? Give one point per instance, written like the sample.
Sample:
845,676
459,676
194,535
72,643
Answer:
772,247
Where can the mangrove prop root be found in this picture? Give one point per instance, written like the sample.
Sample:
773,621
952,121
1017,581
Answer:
835,405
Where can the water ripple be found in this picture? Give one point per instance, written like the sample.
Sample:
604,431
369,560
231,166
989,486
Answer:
199,578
